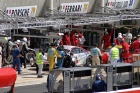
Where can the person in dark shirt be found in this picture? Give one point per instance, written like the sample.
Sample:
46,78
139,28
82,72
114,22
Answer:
15,52
99,85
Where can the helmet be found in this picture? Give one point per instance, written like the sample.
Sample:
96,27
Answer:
124,34
24,39
98,77
120,36
18,41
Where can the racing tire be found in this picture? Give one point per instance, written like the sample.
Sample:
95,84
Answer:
88,62
8,60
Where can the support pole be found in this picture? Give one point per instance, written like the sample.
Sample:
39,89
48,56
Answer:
51,7
103,5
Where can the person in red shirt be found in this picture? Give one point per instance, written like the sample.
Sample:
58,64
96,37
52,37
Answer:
61,42
135,45
74,38
125,46
67,38
106,39
118,40
125,51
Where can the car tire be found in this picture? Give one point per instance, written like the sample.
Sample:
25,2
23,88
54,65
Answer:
88,61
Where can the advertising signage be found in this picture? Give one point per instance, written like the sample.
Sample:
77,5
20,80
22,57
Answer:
120,4
22,11
77,7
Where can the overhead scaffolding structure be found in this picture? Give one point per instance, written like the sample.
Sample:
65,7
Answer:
60,19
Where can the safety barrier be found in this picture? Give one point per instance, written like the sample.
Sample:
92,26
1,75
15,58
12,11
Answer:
132,90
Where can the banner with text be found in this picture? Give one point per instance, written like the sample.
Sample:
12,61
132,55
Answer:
78,7
22,11
120,4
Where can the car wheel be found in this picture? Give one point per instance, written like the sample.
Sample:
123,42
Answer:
88,62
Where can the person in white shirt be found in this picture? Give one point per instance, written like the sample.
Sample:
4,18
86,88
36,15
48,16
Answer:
128,37
81,39
96,55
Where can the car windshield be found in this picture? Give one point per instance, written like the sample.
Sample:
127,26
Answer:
66,50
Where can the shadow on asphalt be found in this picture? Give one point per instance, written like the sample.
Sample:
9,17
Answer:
44,69
25,74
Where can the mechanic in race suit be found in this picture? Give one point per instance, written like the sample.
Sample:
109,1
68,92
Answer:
23,51
106,39
60,60
51,56
125,52
15,52
135,45
66,39
118,40
99,85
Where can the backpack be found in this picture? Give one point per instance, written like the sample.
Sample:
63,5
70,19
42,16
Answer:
67,62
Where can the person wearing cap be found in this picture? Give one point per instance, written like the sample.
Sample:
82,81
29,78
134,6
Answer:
96,55
106,39
15,52
114,54
60,60
99,85
51,56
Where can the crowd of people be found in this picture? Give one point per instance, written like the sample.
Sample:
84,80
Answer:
119,51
